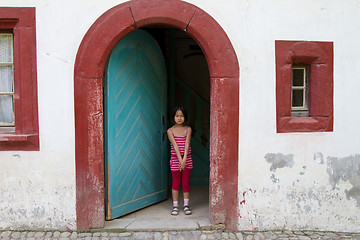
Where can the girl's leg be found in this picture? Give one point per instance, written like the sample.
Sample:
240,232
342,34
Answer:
186,196
186,189
186,182
176,176
175,196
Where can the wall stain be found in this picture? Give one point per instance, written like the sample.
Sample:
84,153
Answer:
279,160
39,212
274,179
302,173
17,157
346,169
304,200
22,212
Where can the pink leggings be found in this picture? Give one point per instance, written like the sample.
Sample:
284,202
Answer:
176,178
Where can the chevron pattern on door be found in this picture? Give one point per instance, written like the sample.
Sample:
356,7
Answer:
135,103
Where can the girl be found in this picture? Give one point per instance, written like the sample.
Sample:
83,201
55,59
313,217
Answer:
181,162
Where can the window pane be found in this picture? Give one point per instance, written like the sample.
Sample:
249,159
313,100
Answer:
6,109
6,48
297,98
298,77
6,79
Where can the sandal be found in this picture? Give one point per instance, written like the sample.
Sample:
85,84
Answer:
187,210
175,211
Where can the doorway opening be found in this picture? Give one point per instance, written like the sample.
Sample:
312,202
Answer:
89,68
188,84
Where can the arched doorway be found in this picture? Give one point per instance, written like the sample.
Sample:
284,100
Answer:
91,58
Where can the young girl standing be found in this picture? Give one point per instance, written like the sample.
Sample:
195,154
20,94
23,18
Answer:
181,162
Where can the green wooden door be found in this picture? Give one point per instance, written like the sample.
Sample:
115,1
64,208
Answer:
135,106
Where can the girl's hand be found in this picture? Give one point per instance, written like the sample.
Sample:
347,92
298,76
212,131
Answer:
182,166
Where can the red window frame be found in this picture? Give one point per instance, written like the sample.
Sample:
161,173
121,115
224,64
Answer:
25,136
319,57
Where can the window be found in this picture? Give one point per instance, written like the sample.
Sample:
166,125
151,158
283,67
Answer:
304,86
18,84
6,80
300,91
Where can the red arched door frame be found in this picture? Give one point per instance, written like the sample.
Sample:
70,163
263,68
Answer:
93,52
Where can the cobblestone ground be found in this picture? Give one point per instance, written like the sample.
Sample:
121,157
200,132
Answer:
215,234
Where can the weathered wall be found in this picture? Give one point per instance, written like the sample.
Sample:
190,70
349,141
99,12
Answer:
296,180
289,180
37,189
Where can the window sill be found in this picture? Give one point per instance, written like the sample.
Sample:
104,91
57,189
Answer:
15,137
305,124
10,141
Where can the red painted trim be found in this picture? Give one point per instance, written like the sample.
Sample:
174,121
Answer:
89,69
319,55
224,128
25,137
7,25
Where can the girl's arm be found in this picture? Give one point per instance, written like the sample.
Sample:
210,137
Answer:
187,144
173,142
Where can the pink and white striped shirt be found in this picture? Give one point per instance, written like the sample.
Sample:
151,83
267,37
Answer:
174,161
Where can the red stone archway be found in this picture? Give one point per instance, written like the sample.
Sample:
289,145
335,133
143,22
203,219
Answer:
93,52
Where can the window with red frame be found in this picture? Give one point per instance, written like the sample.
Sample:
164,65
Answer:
18,81
304,86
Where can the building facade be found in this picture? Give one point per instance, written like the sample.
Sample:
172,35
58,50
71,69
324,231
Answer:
279,77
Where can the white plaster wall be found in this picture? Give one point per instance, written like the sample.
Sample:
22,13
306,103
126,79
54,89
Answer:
301,196
38,188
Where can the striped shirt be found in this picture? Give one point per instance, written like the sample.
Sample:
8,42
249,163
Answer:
174,161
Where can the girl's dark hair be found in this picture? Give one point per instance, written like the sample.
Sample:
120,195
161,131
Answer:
182,109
